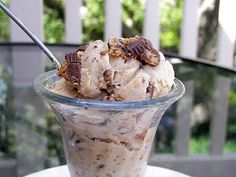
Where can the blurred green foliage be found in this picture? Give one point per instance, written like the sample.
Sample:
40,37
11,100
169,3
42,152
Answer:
171,18
93,22
7,136
94,19
232,97
4,25
199,145
132,17
54,28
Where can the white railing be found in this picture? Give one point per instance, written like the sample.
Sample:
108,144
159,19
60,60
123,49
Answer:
31,12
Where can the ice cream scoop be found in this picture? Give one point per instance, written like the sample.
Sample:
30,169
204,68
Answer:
105,134
120,69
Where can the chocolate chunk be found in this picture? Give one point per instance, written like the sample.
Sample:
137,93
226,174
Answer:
81,48
100,166
142,50
107,75
73,68
99,156
103,52
71,58
80,149
80,140
150,88
136,47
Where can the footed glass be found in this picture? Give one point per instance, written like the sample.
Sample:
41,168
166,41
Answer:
106,139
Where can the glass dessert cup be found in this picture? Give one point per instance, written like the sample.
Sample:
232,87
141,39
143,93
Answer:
106,139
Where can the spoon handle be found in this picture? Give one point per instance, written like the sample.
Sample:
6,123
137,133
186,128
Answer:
31,35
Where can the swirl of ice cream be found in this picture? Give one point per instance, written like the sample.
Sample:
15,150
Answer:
120,69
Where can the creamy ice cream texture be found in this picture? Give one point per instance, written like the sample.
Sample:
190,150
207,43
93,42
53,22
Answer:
111,143
120,69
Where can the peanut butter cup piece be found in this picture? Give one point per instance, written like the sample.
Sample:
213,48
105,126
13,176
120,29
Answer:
142,50
115,47
135,47
73,68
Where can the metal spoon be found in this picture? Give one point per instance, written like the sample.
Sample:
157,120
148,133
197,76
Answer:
31,35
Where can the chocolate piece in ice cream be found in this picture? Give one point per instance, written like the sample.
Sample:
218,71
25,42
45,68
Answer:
135,47
107,75
71,68
143,50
